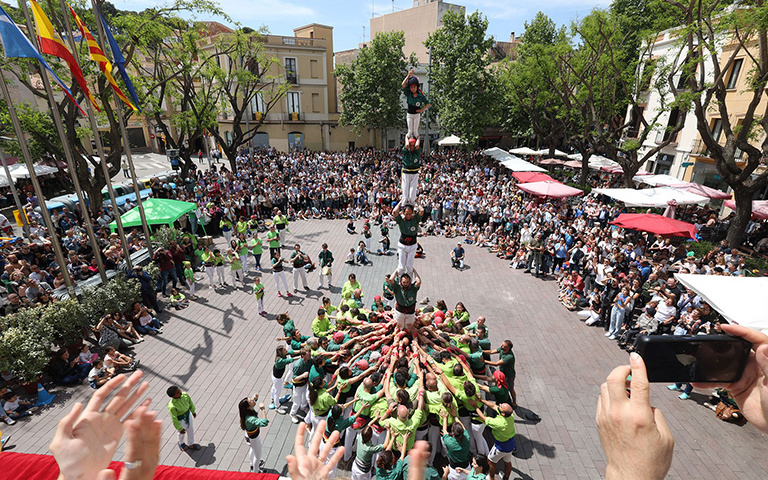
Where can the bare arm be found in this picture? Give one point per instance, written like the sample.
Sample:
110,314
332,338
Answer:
410,74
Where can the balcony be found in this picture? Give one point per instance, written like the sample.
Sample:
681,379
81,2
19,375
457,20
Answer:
293,117
664,135
700,148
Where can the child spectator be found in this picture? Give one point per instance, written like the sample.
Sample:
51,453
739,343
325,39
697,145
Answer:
98,375
178,300
16,408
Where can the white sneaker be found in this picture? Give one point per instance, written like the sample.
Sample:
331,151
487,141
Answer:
9,421
608,334
612,337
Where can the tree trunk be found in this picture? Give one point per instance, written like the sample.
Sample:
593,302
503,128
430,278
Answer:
584,167
743,213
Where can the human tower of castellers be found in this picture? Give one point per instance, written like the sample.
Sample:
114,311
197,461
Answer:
375,380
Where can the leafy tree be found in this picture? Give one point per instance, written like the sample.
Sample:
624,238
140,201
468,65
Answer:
739,151
464,91
370,94
607,86
245,71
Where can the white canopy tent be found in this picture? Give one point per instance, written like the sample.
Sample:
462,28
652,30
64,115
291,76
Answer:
596,162
739,300
545,151
512,162
523,151
519,165
450,141
652,197
657,180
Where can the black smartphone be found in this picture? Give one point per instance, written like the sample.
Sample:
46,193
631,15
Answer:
694,358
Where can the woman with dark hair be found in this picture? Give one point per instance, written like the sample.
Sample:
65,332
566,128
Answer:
320,402
335,422
480,468
461,315
251,423
388,466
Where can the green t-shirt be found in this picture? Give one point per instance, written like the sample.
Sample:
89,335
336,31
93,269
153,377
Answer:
253,423
419,101
258,290
503,428
457,449
289,328
321,326
364,397
301,367
508,367
235,263
323,403
274,239
256,246
395,474
409,425
189,274
297,259
500,395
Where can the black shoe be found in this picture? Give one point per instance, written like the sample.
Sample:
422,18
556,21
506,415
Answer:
306,287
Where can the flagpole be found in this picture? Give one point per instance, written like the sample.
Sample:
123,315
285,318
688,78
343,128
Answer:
15,193
99,144
67,151
36,185
126,144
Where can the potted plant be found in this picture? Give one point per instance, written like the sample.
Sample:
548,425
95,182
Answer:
25,346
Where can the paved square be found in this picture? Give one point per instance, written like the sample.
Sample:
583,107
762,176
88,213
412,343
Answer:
220,350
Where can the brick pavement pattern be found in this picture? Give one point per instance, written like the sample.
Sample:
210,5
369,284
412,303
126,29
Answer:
220,350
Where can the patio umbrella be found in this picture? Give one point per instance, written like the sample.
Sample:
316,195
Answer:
658,224
450,141
545,151
551,161
549,188
702,190
759,208
572,164
527,177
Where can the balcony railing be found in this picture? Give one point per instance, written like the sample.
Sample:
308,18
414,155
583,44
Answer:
700,148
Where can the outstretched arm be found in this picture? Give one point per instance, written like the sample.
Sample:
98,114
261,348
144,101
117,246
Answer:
410,74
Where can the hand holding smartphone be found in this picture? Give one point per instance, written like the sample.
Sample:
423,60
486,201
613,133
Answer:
694,358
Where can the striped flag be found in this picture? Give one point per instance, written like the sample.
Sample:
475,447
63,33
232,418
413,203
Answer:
18,46
97,55
51,43
117,55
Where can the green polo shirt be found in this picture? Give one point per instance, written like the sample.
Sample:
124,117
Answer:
411,160
409,229
407,297
323,403
255,244
273,239
508,367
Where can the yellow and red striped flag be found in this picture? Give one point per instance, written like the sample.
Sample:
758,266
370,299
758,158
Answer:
51,43
97,55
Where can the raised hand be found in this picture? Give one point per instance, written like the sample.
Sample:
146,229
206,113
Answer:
635,436
86,438
311,466
142,432
751,391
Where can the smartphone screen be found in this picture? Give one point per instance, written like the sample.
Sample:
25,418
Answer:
694,358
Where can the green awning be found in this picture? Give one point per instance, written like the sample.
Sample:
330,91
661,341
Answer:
158,211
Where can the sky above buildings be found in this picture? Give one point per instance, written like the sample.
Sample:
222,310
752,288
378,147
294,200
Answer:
350,17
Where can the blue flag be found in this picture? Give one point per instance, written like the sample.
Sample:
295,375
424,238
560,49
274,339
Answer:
17,45
119,61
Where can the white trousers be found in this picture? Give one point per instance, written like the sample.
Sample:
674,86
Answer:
299,399
404,320
260,304
299,272
277,389
210,271
476,437
358,474
255,454
413,120
405,255
324,278
220,274
349,443
280,277
244,260
191,286
228,237
235,274
410,186
190,428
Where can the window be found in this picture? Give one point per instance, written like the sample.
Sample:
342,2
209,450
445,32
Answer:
293,102
291,74
674,116
316,102
687,69
257,103
735,70
313,69
649,66
717,128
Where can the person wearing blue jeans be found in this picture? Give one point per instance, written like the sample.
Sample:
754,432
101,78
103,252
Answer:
618,312
686,391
